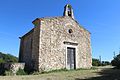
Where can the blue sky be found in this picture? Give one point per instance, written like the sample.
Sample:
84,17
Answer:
100,17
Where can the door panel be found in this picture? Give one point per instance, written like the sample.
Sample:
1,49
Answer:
71,58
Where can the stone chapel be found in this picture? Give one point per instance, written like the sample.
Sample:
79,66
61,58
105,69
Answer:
56,43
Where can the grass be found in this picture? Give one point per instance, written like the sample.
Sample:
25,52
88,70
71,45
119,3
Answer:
54,75
80,74
60,70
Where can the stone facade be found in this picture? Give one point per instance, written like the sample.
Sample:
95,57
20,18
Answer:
45,47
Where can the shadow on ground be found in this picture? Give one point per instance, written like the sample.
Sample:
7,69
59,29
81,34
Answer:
106,74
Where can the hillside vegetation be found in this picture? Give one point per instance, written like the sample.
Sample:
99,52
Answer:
7,58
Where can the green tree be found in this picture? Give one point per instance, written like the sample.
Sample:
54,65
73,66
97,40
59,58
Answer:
105,63
96,62
116,61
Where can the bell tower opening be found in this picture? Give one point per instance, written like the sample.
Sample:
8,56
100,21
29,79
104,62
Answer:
68,11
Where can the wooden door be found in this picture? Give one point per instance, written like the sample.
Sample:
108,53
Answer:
71,62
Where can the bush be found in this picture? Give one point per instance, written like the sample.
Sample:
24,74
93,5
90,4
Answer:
21,72
96,62
105,63
116,61
1,60
8,73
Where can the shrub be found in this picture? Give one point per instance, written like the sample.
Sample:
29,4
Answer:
8,73
1,60
116,61
96,62
105,63
21,72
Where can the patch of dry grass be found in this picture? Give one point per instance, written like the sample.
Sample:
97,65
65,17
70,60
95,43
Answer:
62,75
93,74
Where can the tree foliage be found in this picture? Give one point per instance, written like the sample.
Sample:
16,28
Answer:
21,72
116,61
96,62
7,58
105,63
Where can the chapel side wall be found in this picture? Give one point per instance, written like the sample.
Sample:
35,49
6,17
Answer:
29,49
21,51
35,47
25,54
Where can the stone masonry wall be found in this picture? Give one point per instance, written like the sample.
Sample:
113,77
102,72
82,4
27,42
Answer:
29,48
26,49
35,46
44,48
54,32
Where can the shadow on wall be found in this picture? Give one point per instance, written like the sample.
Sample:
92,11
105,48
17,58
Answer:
106,74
